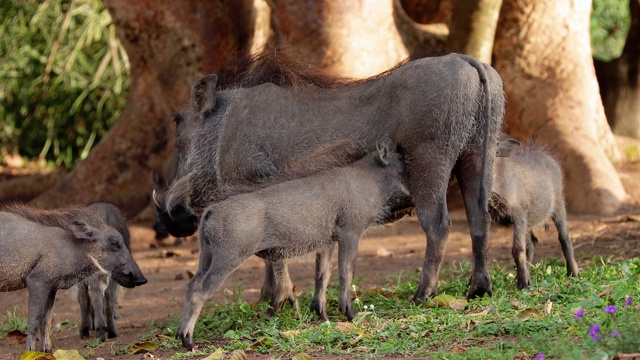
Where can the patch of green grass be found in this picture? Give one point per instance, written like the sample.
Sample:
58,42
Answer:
13,320
511,323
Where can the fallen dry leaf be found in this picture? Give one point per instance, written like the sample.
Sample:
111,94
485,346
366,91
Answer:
530,314
67,355
216,355
481,313
548,306
238,355
458,349
605,292
141,348
36,355
458,304
301,356
345,326
441,300
516,304
17,335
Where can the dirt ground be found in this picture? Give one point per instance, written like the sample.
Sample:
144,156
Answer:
385,250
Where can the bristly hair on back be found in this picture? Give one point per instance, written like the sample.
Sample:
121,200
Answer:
282,67
59,218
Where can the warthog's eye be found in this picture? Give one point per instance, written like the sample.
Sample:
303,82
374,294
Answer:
114,244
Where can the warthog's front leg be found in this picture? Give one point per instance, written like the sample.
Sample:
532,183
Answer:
322,276
218,265
41,299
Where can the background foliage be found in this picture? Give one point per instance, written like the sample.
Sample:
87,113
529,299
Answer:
609,27
63,78
64,75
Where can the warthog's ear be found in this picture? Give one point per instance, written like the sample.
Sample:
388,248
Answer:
383,152
505,147
83,231
203,94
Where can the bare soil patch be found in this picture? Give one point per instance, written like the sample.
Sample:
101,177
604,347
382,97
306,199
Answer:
385,251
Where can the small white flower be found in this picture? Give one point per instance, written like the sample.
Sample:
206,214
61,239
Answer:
371,307
366,307
357,301
354,288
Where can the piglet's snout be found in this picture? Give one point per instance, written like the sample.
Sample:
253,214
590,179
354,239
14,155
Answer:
140,280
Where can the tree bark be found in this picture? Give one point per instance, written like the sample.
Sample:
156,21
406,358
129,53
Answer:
354,38
543,53
619,82
473,28
350,38
169,44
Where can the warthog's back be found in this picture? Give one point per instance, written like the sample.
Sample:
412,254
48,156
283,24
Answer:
22,245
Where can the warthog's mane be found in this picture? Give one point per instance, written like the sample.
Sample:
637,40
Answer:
282,68
60,218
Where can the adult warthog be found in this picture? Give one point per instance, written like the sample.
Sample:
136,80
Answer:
445,114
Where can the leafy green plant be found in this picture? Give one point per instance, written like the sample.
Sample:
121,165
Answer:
13,320
63,78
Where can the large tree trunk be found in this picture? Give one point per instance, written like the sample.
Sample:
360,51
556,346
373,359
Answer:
350,38
543,53
473,28
169,44
354,38
619,82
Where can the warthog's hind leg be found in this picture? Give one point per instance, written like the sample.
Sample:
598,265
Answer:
322,277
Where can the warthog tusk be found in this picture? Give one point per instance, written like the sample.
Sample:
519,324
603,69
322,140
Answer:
97,264
155,200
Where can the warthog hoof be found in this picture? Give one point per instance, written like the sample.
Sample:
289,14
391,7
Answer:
479,285
320,308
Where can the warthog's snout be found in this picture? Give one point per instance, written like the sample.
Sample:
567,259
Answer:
140,280
130,279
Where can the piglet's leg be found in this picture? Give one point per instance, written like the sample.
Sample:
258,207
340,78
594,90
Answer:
111,299
97,285
322,276
85,309
278,287
38,298
45,327
283,290
347,253
532,242
518,250
560,221
221,263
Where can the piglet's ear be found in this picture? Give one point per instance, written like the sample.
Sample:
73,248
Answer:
506,146
383,152
203,93
83,231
